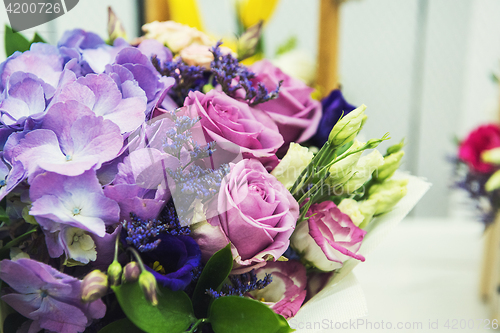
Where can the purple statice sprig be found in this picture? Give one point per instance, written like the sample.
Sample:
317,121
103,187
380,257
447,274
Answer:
187,78
197,184
142,233
232,76
241,284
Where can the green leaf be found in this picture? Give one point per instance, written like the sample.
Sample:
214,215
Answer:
235,314
173,314
14,41
15,241
122,325
37,39
215,272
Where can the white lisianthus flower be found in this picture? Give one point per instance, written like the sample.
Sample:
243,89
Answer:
295,161
342,170
79,245
363,170
351,208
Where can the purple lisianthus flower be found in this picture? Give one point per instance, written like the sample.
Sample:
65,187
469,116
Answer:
173,260
62,201
72,140
42,60
25,96
287,291
48,297
334,107
124,103
141,184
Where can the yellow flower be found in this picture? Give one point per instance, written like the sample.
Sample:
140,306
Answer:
251,12
185,12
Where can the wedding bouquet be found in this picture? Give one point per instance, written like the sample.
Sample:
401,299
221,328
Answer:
477,169
160,185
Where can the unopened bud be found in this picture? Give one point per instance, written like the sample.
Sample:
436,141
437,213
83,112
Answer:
347,128
387,194
341,171
491,156
363,171
493,183
131,272
114,273
395,148
147,281
391,164
94,286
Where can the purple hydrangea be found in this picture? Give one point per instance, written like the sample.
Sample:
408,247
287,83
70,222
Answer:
48,297
62,201
124,103
71,141
140,186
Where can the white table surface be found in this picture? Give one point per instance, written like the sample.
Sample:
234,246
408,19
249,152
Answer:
426,270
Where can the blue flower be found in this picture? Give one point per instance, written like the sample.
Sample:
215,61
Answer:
334,106
173,260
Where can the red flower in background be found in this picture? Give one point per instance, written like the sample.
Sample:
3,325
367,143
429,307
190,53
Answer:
481,139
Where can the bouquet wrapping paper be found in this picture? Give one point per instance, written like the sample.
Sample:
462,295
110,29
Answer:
343,299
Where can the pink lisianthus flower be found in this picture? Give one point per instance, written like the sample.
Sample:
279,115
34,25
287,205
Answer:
328,238
256,214
481,139
294,111
287,291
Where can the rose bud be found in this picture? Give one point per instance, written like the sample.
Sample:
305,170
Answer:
131,272
94,286
147,281
114,273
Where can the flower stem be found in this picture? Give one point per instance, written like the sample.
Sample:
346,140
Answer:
195,326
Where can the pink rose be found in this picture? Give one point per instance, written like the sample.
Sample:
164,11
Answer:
328,237
295,112
481,139
286,293
256,214
235,127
